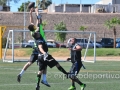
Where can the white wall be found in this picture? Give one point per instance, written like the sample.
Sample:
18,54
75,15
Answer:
116,1
107,1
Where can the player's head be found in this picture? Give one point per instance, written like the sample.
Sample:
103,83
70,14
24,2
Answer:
31,27
73,40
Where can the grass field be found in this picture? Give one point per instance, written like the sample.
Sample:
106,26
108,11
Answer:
61,52
102,75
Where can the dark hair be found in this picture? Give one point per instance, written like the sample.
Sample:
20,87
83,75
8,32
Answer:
75,39
31,27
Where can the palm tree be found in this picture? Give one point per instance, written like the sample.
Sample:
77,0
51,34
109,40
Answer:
21,8
111,24
44,4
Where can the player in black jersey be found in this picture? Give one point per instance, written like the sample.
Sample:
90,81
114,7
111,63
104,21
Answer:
34,55
45,59
75,50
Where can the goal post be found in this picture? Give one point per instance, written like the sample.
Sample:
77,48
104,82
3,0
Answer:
84,59
12,33
83,32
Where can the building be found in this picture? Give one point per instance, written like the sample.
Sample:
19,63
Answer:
103,6
4,8
109,6
69,8
108,2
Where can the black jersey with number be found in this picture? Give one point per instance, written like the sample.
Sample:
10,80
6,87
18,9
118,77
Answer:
36,35
75,55
42,42
39,40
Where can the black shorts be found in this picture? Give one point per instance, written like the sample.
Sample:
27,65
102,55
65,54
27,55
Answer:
33,58
51,62
42,66
34,55
75,68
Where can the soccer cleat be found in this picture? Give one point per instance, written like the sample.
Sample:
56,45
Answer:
83,86
45,83
37,87
72,88
19,78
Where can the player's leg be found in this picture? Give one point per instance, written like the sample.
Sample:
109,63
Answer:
72,70
33,58
75,79
73,73
52,62
60,68
42,67
44,78
38,79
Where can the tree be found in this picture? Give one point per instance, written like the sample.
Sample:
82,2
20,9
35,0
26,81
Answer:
21,9
44,4
59,35
82,28
44,23
4,2
111,24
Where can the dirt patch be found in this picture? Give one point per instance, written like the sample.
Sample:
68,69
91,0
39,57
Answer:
17,53
114,58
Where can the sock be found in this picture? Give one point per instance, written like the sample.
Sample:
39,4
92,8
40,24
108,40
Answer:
73,83
44,77
38,79
62,70
22,72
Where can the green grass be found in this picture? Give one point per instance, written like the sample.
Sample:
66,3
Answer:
60,52
102,75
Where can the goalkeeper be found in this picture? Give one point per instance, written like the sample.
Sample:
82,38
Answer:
76,62
34,55
44,58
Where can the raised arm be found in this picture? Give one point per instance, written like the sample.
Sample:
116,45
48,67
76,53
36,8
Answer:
39,20
31,17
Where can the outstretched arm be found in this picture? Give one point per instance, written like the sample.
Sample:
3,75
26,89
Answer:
31,17
39,20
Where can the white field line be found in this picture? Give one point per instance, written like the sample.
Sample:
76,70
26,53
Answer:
32,71
51,83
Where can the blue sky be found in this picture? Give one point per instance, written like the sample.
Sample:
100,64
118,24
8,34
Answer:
15,6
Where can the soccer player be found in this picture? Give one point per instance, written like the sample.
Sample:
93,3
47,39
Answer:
76,63
43,56
34,55
33,58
